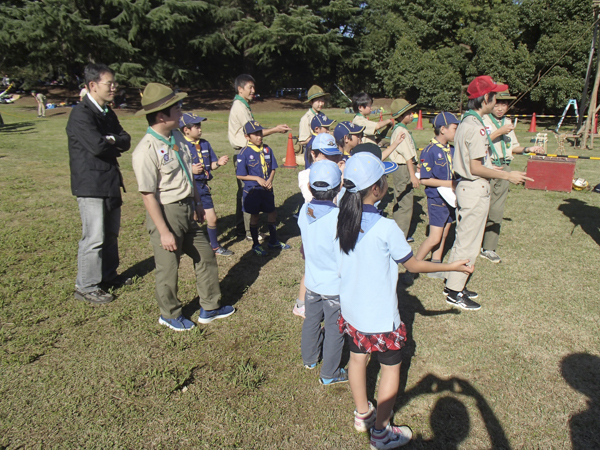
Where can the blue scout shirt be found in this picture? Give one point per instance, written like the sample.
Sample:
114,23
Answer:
369,274
436,162
202,151
318,225
249,162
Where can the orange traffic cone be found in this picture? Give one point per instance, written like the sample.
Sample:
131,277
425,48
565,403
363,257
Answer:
290,156
420,121
532,127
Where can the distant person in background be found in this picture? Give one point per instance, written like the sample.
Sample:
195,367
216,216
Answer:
41,101
362,104
96,140
239,115
5,81
82,93
316,98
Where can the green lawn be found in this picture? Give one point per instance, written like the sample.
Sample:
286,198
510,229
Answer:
72,375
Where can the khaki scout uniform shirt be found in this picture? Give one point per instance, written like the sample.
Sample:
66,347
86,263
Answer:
157,169
470,142
239,115
370,129
406,150
304,130
510,139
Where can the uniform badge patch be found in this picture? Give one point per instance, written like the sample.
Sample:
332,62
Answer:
482,131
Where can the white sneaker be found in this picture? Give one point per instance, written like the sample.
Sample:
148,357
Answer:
363,422
299,311
390,437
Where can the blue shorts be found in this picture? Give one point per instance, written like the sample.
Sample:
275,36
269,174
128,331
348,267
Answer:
205,197
440,212
257,200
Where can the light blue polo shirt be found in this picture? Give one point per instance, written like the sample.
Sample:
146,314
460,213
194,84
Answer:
369,274
318,225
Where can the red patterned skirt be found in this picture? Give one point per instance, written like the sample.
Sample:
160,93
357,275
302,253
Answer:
380,342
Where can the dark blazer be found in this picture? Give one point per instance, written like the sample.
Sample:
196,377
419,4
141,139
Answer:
93,159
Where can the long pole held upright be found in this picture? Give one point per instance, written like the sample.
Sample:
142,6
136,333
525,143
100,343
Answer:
594,98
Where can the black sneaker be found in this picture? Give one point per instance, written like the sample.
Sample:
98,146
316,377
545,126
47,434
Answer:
462,301
97,297
465,291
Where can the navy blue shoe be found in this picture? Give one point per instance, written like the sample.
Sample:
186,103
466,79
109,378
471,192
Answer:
179,324
220,313
279,245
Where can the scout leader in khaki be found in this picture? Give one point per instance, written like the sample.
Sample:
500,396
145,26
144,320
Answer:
316,98
163,167
503,144
472,163
405,154
239,115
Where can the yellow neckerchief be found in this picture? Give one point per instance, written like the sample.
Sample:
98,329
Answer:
197,145
446,148
263,163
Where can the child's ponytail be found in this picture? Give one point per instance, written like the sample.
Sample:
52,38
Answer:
350,215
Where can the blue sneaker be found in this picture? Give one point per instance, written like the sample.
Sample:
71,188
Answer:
259,250
279,245
220,313
179,324
310,366
342,377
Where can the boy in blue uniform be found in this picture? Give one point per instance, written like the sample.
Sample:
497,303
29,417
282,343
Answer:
204,162
256,166
436,171
317,222
318,125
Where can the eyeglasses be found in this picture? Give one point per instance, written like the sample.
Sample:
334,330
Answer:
110,84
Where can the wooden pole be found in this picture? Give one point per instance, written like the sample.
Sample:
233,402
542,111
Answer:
594,97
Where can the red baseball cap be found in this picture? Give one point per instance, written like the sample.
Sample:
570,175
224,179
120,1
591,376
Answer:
484,84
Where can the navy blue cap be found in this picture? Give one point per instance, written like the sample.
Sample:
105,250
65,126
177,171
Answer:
190,119
320,120
252,127
325,144
445,119
325,171
373,149
345,128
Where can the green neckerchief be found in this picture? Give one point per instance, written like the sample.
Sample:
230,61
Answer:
359,114
243,100
446,148
496,158
400,124
498,125
313,111
171,143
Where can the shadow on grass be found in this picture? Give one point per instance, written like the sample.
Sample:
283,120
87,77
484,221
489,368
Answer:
583,215
582,372
18,127
140,269
450,420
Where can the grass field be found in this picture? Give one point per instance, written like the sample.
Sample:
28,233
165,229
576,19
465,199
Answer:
523,372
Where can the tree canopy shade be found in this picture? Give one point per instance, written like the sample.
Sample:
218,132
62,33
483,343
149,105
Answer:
422,49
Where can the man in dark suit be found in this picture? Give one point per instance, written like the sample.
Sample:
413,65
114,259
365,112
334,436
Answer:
96,140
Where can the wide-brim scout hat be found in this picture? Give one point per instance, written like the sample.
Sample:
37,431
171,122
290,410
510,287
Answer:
315,92
505,95
482,85
157,97
188,119
375,150
400,106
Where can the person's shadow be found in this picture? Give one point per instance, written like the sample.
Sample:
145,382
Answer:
583,215
18,127
582,372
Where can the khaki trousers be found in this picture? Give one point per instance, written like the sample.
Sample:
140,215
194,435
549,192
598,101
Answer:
498,194
191,241
402,207
473,204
